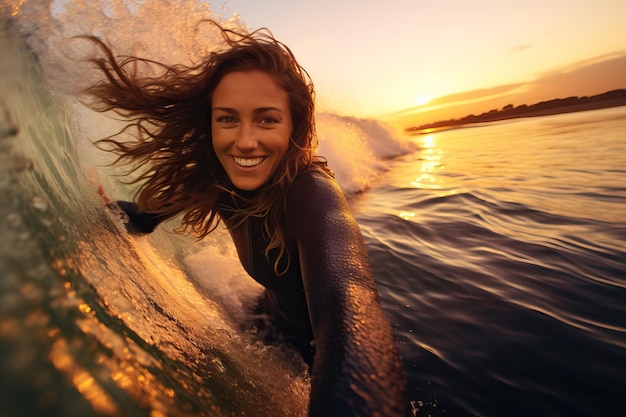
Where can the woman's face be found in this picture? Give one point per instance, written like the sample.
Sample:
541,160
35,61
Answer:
251,126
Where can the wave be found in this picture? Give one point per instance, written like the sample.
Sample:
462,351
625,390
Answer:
112,325
122,325
357,149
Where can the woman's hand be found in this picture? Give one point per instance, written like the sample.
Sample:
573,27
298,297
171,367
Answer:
139,223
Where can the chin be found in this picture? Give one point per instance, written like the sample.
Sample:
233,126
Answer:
248,185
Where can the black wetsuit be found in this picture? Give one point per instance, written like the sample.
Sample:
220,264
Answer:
327,294
284,299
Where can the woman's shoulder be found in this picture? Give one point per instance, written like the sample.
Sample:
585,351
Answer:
315,195
312,185
314,177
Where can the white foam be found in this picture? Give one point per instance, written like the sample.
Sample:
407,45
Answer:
356,149
214,267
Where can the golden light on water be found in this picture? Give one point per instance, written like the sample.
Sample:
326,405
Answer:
430,162
81,379
428,141
406,215
428,173
15,9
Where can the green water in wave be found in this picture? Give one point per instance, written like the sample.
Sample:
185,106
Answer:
93,322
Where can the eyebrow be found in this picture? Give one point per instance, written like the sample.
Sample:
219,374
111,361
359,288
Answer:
259,110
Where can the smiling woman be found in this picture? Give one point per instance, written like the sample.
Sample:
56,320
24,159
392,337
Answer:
233,139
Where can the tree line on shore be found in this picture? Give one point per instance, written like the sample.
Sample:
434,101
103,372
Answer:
608,99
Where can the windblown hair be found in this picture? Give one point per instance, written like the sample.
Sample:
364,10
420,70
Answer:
170,119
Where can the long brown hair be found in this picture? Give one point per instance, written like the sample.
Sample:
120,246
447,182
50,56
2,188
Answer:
169,118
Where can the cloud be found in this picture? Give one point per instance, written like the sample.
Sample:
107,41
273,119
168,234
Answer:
520,48
476,95
591,76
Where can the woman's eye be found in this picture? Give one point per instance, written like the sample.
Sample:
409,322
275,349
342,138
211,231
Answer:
269,120
225,119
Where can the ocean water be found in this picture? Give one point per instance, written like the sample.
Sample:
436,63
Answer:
499,251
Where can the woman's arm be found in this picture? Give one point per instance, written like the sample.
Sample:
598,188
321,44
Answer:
356,370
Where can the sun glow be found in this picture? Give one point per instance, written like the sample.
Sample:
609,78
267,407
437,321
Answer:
422,99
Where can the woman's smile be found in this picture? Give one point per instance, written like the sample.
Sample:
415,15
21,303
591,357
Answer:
248,162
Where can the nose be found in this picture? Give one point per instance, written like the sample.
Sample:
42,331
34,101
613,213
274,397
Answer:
246,139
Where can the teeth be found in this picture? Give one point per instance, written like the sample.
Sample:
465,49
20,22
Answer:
248,162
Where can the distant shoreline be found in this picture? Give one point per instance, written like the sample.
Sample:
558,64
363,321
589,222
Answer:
609,99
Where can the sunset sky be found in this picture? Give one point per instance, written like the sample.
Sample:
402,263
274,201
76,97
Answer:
376,58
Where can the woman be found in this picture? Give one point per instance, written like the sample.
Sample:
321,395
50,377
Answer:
233,139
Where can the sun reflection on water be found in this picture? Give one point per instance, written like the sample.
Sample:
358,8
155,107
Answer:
430,162
431,167
406,215
429,172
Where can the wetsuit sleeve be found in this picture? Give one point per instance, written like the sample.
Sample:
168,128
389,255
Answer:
356,370
140,222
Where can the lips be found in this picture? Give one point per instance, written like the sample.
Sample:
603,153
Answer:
248,162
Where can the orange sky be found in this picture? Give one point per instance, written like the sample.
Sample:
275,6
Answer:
412,62
373,59
585,78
